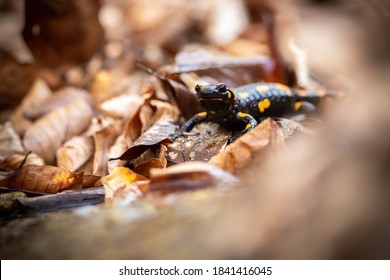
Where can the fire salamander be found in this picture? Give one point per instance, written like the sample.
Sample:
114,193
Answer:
241,110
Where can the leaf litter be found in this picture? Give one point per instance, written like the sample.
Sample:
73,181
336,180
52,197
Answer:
109,122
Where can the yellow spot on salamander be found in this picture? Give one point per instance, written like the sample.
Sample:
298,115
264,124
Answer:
229,94
247,126
202,114
262,88
284,88
212,112
243,94
298,106
264,104
242,115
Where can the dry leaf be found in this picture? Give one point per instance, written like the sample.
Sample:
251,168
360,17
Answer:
61,98
184,97
38,92
123,181
189,176
254,143
132,96
203,142
139,124
47,134
74,153
91,181
45,179
10,142
133,127
145,167
116,150
161,130
161,155
176,92
13,162
123,106
105,85
164,111
155,135
99,123
290,127
104,139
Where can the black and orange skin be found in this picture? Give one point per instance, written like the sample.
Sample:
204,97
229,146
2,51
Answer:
241,110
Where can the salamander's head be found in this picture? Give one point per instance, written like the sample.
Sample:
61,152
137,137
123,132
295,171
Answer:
215,97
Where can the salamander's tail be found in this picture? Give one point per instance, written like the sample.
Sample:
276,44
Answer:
315,97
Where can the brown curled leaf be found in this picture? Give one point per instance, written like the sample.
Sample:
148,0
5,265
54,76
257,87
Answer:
119,147
160,131
134,126
59,99
91,181
162,156
164,111
145,167
74,153
190,176
251,145
47,134
106,84
184,97
38,92
13,162
155,135
45,179
123,182
10,142
178,93
104,139
122,106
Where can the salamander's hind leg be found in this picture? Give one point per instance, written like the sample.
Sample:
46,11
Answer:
198,118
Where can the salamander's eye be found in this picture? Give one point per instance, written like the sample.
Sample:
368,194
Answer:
221,87
197,88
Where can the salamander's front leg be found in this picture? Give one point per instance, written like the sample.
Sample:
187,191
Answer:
200,117
250,124
249,120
